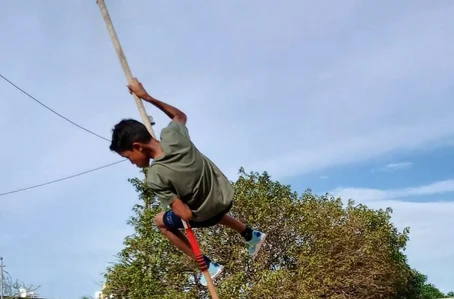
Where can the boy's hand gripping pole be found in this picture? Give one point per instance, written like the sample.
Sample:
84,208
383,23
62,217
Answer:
147,123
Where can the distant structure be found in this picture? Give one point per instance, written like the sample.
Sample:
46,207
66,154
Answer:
24,294
100,294
20,293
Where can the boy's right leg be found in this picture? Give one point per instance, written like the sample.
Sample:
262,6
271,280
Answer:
253,238
174,235
169,225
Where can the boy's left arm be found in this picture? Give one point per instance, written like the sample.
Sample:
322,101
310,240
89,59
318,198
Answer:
174,113
181,209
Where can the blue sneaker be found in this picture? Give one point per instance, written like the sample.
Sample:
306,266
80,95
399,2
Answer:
256,242
214,269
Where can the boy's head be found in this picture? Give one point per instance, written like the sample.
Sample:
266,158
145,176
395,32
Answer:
129,138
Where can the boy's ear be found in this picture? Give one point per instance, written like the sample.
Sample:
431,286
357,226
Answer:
137,146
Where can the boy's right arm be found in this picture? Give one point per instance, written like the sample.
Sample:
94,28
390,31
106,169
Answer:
181,209
174,113
167,198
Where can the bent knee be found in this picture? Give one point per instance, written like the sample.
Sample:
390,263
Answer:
159,220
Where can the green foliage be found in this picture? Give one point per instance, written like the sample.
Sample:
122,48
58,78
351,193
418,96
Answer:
419,288
429,291
317,247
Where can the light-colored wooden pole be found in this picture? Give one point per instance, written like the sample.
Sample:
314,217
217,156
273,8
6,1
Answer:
124,63
147,123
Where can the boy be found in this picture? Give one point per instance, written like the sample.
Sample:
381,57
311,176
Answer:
182,178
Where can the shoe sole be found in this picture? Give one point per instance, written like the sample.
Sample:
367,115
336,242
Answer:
259,245
221,269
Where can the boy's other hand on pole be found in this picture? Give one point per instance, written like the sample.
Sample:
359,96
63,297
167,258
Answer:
181,210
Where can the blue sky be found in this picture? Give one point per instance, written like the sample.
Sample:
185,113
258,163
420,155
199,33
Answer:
351,98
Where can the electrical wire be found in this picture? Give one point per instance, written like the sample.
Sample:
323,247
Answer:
68,120
61,179
50,109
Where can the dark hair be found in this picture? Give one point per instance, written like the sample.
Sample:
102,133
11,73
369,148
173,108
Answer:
126,132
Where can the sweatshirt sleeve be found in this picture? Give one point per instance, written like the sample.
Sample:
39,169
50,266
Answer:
161,188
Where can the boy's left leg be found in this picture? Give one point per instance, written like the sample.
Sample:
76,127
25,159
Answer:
253,238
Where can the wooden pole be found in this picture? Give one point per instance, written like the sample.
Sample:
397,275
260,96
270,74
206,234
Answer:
147,123
1,277
200,260
124,63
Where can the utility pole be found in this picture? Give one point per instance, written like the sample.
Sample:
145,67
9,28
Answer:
1,277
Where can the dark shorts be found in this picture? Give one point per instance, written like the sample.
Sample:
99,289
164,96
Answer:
172,221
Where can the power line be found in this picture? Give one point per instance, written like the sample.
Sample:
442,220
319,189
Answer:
50,109
61,179
68,120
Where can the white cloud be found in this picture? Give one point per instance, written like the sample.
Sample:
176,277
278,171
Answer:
430,249
367,194
393,167
398,165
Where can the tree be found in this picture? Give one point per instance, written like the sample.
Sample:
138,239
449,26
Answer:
317,247
419,288
431,292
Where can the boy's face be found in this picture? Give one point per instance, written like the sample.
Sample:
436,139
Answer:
137,157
